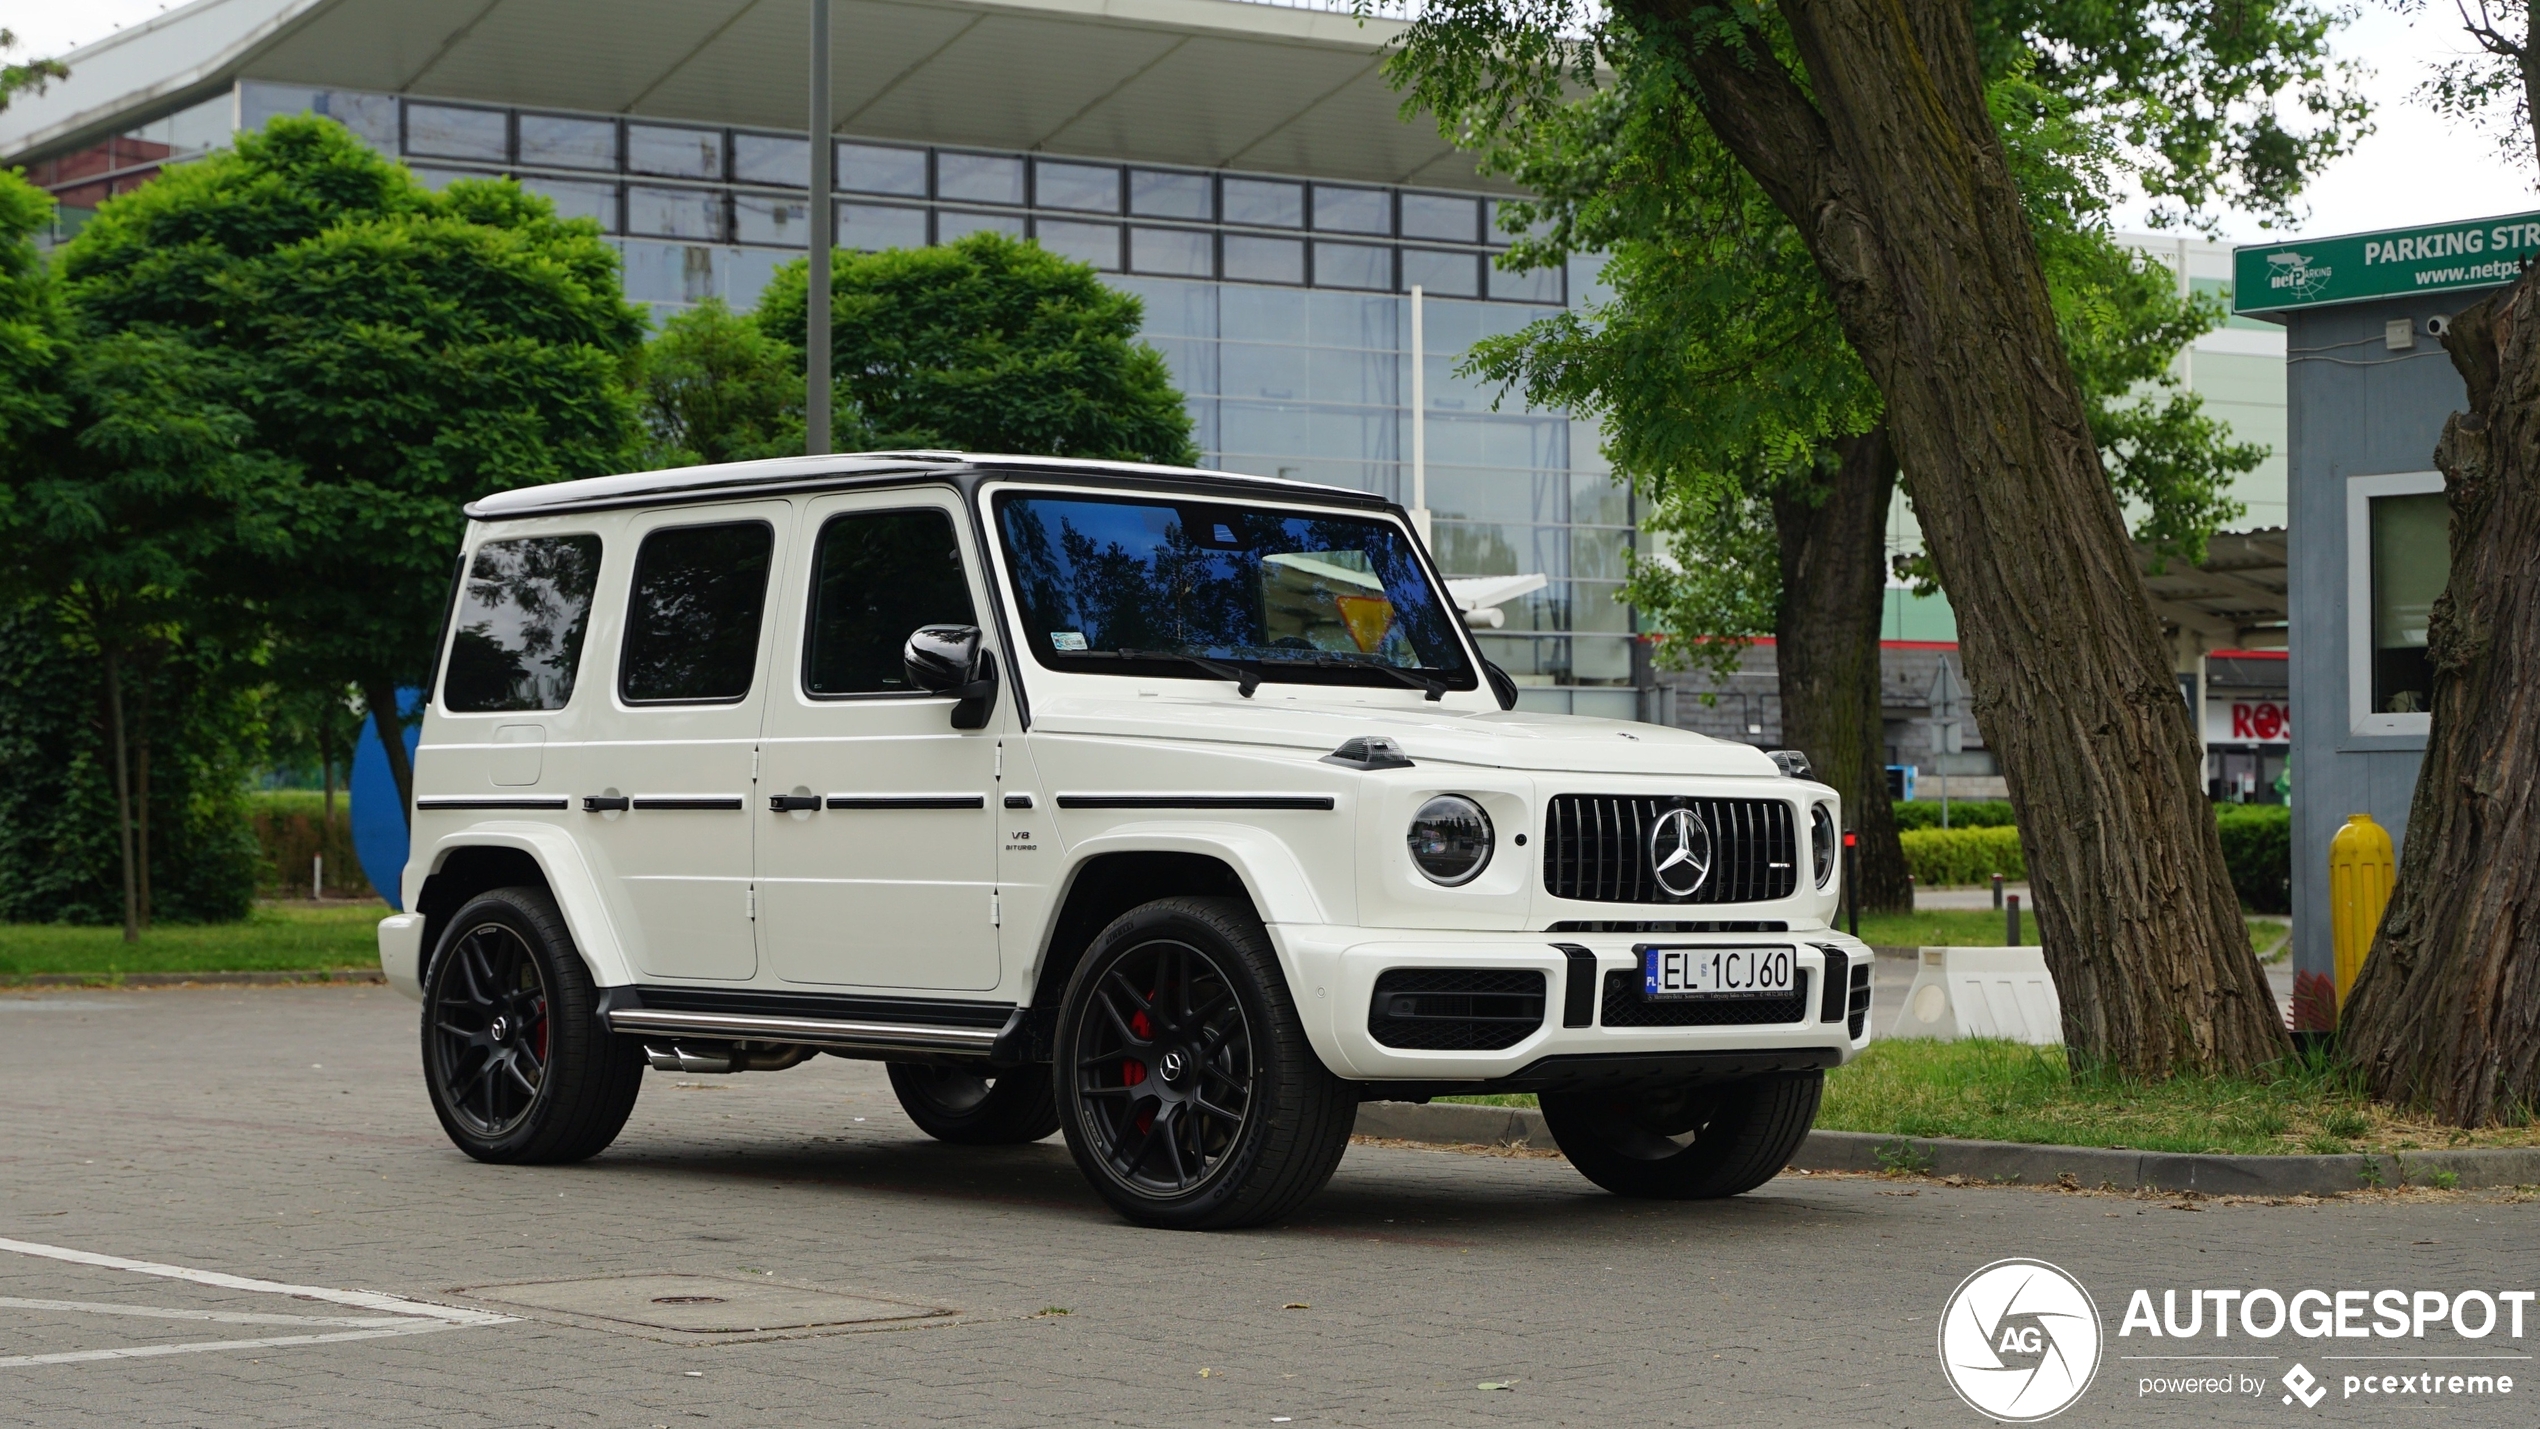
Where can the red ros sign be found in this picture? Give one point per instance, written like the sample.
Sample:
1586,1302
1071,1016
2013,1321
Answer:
2265,721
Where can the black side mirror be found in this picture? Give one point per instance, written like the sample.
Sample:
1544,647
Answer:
947,660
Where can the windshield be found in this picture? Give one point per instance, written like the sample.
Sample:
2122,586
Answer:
1294,596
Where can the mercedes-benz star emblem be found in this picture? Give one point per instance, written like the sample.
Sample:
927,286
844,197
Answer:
1172,1066
1679,852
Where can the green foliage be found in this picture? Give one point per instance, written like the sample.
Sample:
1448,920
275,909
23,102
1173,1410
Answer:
303,939
292,827
59,858
373,354
1963,813
34,325
717,387
1939,858
26,74
2481,86
2257,844
990,345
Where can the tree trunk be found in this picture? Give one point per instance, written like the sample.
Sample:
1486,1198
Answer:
381,696
1891,168
123,792
1826,647
2446,1013
141,809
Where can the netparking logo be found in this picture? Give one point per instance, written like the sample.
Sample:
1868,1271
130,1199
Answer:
2020,1340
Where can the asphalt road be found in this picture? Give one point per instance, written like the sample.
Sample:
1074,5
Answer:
257,1169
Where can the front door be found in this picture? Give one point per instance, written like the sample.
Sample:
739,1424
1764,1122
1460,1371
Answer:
881,873
669,792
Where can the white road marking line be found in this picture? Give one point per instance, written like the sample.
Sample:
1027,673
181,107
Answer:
358,1299
225,1317
414,1326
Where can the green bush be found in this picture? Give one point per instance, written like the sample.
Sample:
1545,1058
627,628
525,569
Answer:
1938,857
1963,814
59,859
291,829
2257,845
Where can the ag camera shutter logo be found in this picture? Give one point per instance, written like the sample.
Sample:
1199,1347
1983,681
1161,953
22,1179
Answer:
2020,1340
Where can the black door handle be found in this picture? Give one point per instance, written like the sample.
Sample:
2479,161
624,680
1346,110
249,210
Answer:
793,803
603,803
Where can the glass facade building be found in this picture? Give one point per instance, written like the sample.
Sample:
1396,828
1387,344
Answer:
1281,304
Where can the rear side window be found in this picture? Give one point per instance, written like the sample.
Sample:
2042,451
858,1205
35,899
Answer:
692,622
877,577
523,608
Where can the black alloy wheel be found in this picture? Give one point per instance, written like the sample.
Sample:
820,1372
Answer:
969,1106
491,1035
1685,1143
1187,1090
515,1055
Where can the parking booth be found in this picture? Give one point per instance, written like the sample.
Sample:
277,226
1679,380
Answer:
2368,387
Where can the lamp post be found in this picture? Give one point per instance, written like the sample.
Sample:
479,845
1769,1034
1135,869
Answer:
824,222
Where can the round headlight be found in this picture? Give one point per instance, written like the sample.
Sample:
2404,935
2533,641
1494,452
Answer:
1450,839
1822,842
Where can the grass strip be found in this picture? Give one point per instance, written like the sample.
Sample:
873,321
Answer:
300,937
2007,1091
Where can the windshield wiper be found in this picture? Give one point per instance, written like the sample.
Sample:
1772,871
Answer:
1433,689
1246,681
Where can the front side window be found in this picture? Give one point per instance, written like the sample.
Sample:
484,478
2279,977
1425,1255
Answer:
1138,585
876,577
2411,561
692,620
517,638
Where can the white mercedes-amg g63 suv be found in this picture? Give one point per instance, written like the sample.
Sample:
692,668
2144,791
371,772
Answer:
1173,810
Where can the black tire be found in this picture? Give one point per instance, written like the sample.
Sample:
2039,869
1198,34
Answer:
977,1108
1189,1094
1686,1143
520,1067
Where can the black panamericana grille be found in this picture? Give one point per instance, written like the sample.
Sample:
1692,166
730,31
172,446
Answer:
1626,1007
1455,1009
1596,849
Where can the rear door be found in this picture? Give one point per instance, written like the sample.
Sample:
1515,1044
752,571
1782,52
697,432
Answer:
882,874
671,785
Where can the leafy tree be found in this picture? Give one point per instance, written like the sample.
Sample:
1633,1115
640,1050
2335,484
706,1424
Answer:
2446,1013
386,354
717,387
1874,132
25,74
989,345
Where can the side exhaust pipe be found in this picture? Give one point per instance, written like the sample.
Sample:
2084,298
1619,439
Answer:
714,1058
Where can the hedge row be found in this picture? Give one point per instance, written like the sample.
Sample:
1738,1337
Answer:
1937,857
1963,814
2257,845
291,828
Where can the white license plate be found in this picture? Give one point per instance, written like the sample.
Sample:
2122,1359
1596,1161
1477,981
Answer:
1717,972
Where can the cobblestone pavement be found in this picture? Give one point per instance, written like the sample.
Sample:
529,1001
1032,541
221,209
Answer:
278,1139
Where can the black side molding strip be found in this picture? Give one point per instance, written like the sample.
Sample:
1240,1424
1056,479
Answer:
1195,801
908,801
687,801
471,802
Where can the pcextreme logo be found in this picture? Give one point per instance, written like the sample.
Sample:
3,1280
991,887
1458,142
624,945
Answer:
2020,1340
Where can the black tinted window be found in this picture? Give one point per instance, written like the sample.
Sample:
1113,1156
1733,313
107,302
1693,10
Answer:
692,622
878,576
518,635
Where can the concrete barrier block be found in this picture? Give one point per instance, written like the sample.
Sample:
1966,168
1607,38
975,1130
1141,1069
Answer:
1982,992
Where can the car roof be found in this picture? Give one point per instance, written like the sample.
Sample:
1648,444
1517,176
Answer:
740,480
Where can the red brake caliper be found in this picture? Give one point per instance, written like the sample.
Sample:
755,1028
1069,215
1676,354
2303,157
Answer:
1133,1071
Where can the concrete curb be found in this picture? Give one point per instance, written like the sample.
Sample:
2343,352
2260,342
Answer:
270,979
2007,1161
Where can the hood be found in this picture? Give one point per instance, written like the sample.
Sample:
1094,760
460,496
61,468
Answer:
1497,739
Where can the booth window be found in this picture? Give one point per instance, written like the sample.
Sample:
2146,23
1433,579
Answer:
2411,559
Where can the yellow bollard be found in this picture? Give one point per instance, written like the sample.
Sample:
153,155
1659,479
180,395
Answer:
2361,869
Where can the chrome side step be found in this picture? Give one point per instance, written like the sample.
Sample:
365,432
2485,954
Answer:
807,1031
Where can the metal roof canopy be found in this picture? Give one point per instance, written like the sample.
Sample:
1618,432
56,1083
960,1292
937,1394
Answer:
1203,83
2235,600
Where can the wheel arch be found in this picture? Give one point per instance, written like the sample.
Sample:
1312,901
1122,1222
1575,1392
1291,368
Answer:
465,864
1115,873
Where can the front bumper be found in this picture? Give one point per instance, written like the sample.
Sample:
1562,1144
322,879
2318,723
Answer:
1333,972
